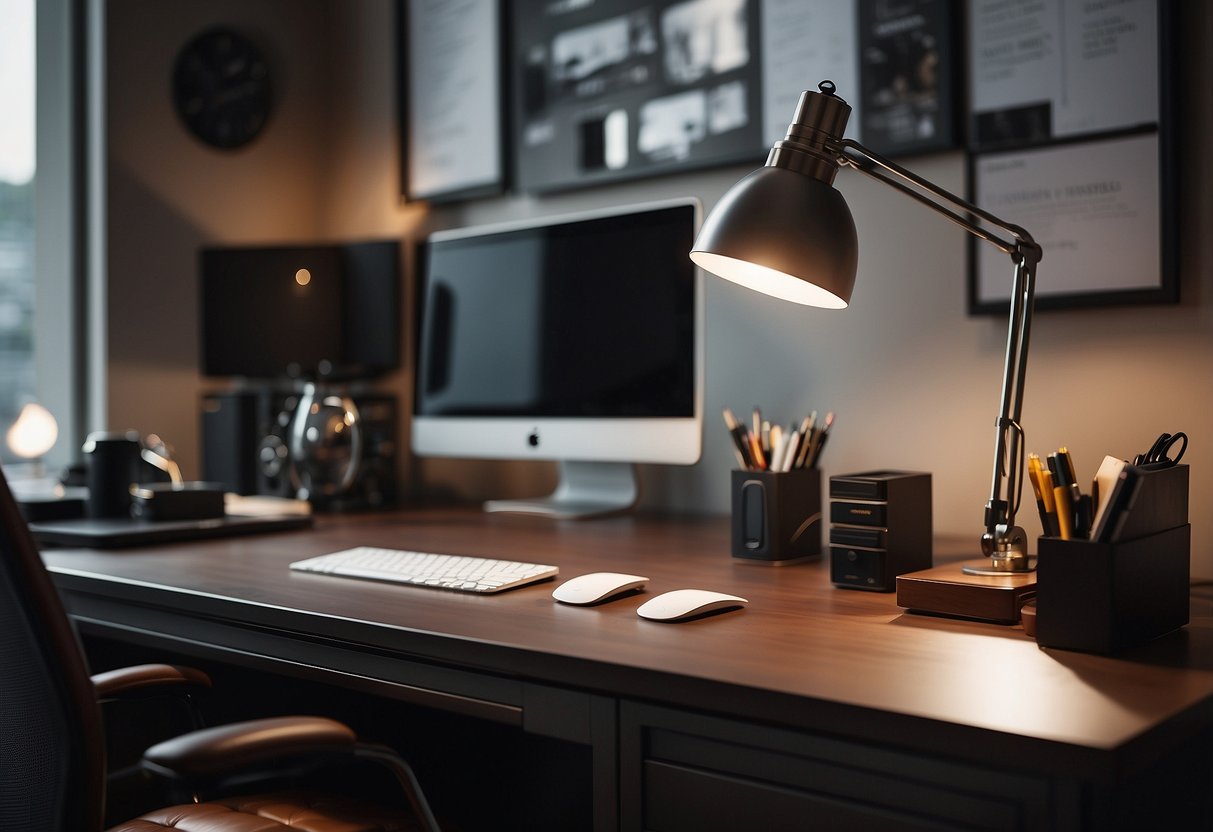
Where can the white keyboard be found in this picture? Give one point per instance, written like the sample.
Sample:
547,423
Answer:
426,569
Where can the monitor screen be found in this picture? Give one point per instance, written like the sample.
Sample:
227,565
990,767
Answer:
300,311
575,338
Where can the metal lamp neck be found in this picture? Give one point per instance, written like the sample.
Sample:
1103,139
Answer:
811,145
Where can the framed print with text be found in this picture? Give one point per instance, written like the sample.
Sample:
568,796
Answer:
452,94
805,42
1071,137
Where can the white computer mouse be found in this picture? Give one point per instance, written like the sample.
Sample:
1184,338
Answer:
681,604
597,587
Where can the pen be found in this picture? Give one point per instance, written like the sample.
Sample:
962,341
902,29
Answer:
1062,495
1052,527
1080,504
779,446
795,452
1065,512
1056,469
793,445
740,443
807,427
1047,519
1065,461
1082,515
819,441
760,460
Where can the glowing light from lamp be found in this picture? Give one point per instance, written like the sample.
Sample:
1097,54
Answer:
768,281
303,277
34,433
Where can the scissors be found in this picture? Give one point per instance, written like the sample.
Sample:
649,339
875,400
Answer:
1160,451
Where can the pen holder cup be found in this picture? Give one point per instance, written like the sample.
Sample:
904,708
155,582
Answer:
777,516
1102,597
1108,597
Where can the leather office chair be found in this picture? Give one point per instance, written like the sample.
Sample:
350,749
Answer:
52,758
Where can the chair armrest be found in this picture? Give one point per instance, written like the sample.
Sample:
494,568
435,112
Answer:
213,752
147,678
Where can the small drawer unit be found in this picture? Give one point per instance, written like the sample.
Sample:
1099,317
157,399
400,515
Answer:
880,527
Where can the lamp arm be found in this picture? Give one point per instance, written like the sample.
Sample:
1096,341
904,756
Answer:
851,154
1003,541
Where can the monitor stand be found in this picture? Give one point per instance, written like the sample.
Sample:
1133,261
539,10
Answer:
584,489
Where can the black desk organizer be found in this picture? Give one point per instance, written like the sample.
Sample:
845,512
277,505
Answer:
1108,597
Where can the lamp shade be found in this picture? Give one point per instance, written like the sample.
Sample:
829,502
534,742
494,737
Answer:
785,234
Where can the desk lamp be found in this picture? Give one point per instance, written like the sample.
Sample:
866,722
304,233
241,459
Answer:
32,435
785,231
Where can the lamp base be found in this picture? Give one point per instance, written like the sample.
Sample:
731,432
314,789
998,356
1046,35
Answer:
952,591
993,566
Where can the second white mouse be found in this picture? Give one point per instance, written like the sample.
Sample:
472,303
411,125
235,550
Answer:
680,604
597,587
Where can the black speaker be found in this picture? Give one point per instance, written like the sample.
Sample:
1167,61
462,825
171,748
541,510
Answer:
229,454
246,446
244,441
272,431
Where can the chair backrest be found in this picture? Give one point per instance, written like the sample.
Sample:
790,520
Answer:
52,758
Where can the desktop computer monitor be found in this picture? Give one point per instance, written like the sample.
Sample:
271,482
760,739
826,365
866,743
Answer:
318,311
576,339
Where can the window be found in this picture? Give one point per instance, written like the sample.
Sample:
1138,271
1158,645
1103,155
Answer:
17,284
42,197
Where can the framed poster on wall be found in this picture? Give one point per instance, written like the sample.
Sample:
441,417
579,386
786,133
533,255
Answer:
908,69
616,89
451,88
1072,137
605,90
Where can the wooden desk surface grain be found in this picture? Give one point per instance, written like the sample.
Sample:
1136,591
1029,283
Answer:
803,653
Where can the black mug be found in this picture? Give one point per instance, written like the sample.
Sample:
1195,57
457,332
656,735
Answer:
112,461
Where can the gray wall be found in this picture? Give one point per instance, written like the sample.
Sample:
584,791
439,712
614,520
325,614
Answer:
914,380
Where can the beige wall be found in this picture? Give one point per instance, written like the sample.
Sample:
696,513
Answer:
914,380
167,194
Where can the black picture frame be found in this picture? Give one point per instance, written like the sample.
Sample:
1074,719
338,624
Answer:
909,72
1030,133
593,101
436,162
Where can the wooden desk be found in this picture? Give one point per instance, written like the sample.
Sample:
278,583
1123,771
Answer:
814,705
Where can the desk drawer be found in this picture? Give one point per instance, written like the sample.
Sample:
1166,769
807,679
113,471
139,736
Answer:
684,771
682,798
859,514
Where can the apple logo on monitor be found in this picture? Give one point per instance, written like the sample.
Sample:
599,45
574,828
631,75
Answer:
533,438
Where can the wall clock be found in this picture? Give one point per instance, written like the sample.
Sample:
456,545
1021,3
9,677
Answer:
221,88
